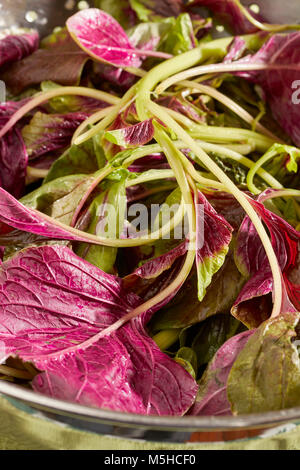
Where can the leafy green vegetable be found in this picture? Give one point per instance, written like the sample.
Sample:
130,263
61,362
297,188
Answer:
212,397
181,37
188,359
86,158
266,373
60,197
70,103
186,310
212,334
60,60
48,133
111,205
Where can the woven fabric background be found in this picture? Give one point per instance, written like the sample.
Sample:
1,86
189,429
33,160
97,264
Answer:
22,431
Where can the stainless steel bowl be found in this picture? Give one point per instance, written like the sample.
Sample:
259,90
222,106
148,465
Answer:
49,14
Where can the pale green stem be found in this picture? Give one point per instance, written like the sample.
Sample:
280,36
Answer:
222,151
218,68
241,149
154,176
46,96
165,339
283,193
161,114
268,156
117,242
36,173
109,118
90,121
272,28
223,134
135,71
229,103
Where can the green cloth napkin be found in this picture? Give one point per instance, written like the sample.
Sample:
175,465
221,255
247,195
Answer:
23,431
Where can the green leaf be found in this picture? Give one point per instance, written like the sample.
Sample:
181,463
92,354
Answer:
59,198
236,172
266,373
284,161
150,33
111,205
181,37
85,159
69,103
60,104
163,245
48,132
186,310
212,334
188,356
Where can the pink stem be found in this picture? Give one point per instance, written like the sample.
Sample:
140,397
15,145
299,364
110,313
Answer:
162,55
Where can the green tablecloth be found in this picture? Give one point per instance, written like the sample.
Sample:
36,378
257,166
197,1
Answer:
23,431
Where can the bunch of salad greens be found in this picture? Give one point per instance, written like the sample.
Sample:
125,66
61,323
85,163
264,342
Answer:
134,104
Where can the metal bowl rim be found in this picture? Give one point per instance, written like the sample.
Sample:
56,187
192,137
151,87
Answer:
192,423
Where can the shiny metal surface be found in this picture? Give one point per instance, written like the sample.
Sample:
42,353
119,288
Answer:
52,13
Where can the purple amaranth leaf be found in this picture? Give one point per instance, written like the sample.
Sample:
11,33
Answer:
145,36
50,132
226,205
16,47
213,237
157,266
155,275
252,306
281,51
236,49
60,61
101,36
125,372
228,13
212,396
154,161
120,10
149,279
132,136
15,215
13,153
111,74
